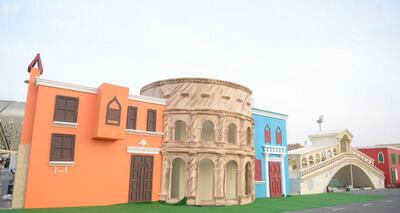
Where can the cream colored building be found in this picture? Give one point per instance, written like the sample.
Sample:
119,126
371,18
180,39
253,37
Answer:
331,158
208,149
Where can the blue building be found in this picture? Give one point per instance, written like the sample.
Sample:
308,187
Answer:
270,145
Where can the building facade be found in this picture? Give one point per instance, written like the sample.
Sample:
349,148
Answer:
86,146
270,146
208,149
387,159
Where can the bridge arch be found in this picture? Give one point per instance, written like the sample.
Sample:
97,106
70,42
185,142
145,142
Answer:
349,174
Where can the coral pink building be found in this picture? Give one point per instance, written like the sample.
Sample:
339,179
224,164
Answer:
387,159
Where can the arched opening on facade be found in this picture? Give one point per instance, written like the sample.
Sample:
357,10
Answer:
381,158
232,133
350,175
311,160
317,158
343,144
180,131
304,162
205,184
278,136
267,135
207,132
248,136
323,158
248,179
178,179
335,151
293,163
329,155
231,180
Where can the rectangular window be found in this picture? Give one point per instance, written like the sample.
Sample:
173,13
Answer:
66,109
151,120
131,118
258,171
393,158
62,147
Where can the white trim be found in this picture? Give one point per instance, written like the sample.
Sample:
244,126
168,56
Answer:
259,182
147,99
269,114
63,85
62,163
65,124
267,189
143,150
93,90
142,132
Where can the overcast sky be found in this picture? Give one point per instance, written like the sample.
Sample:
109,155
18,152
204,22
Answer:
302,58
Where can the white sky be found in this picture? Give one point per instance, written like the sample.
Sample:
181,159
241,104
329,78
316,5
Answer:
302,58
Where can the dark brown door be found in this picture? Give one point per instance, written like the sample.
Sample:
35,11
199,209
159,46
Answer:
275,179
141,178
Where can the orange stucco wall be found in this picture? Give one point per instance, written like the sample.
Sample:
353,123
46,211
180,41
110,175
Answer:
100,175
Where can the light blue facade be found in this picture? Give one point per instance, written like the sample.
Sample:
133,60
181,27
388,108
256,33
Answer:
267,152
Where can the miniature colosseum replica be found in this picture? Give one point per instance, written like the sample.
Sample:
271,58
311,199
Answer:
208,151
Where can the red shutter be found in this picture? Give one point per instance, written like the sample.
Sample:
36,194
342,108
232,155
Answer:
258,175
278,136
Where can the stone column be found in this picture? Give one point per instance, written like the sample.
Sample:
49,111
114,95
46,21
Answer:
192,177
242,180
166,176
219,181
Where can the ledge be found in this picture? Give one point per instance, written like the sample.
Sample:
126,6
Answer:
142,132
62,163
65,124
143,150
259,182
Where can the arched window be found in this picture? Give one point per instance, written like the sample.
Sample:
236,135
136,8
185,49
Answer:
329,154
232,133
248,138
323,156
113,115
304,162
317,158
267,133
334,151
278,136
381,158
311,160
180,131
207,133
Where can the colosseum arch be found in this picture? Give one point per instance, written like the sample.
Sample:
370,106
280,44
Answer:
207,131
205,183
231,178
180,131
178,179
232,133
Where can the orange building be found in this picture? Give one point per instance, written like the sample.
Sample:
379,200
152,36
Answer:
85,146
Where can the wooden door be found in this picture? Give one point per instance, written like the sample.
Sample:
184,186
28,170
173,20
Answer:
275,181
141,178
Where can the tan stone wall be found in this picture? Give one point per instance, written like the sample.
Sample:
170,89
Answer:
21,176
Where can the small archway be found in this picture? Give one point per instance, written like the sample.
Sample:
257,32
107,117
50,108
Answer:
329,155
248,136
180,130
207,133
232,133
205,183
335,151
304,162
231,180
344,144
248,183
323,158
178,179
311,160
317,158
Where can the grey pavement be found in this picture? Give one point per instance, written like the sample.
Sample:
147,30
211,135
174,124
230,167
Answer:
390,203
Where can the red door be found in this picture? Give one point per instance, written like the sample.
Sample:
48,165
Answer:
141,178
275,187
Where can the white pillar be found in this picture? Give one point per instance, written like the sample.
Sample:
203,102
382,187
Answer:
266,175
283,174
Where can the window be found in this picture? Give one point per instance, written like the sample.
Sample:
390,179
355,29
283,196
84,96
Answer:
66,109
151,120
267,133
62,147
232,133
180,131
278,136
323,156
113,114
131,118
207,132
381,158
393,158
258,175
248,138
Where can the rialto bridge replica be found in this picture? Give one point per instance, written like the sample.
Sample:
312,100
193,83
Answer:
330,161
208,150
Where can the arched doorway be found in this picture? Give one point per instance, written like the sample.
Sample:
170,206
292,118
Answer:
231,180
350,175
248,179
205,184
178,179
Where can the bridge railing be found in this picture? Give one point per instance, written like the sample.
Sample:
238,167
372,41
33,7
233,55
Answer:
321,165
363,157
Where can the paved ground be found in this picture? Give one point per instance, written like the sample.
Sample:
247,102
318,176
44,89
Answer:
390,204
